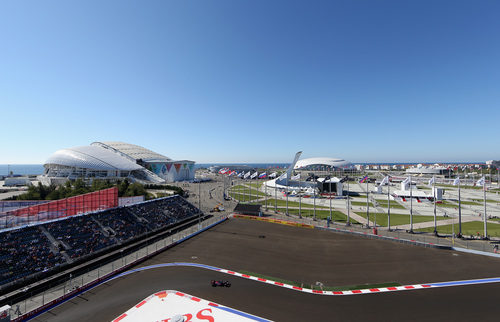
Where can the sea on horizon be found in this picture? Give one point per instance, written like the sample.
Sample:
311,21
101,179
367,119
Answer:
36,169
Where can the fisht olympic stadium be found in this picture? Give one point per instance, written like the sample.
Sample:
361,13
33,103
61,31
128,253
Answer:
114,161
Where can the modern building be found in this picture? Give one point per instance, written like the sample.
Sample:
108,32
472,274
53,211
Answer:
493,164
323,164
435,169
114,161
316,185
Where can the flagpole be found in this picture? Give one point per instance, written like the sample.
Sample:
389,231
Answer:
300,201
411,208
367,206
330,195
389,205
348,207
286,192
435,217
275,195
314,204
485,216
265,192
459,211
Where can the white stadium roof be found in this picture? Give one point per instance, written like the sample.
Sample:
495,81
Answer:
132,151
332,162
92,157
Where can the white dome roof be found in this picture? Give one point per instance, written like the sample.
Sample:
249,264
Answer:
332,162
132,151
92,157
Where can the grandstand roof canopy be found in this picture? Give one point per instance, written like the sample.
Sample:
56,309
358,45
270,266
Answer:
93,157
132,151
332,162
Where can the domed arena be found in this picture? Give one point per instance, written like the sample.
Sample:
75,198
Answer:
114,161
323,164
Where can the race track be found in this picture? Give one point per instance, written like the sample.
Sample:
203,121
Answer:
303,255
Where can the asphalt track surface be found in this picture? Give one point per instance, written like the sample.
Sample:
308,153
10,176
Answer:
303,255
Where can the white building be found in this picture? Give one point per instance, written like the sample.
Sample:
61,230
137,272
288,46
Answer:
323,164
114,161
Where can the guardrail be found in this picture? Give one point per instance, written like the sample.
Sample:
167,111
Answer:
75,285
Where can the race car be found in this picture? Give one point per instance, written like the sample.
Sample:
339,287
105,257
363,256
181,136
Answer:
220,283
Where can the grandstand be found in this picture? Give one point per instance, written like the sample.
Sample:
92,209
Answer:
37,251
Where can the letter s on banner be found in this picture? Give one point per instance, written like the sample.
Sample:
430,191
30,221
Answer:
200,316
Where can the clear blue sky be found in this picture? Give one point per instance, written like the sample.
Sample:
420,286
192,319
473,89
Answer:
253,81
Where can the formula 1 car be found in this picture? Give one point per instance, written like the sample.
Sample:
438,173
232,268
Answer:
220,283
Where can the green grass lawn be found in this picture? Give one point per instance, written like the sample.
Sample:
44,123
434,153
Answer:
360,203
446,204
423,188
243,197
471,203
487,200
394,204
255,185
398,219
461,187
338,216
468,228
246,190
291,204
